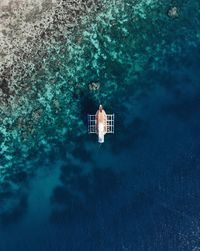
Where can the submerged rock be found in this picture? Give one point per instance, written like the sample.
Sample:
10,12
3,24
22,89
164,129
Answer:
94,86
173,12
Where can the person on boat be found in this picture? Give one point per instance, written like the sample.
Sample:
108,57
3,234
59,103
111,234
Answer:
101,117
101,123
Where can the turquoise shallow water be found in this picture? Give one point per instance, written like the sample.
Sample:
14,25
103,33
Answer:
140,190
118,48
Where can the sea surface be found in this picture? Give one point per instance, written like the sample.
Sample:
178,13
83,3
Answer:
140,190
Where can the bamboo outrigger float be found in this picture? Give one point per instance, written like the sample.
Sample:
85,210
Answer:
101,123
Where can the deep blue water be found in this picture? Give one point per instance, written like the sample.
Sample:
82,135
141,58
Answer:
138,191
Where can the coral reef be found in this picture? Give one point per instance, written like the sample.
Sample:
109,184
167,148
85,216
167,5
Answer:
60,57
29,31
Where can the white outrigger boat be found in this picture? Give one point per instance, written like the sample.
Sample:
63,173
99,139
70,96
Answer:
101,123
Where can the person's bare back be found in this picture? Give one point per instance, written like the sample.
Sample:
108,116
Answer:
101,117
